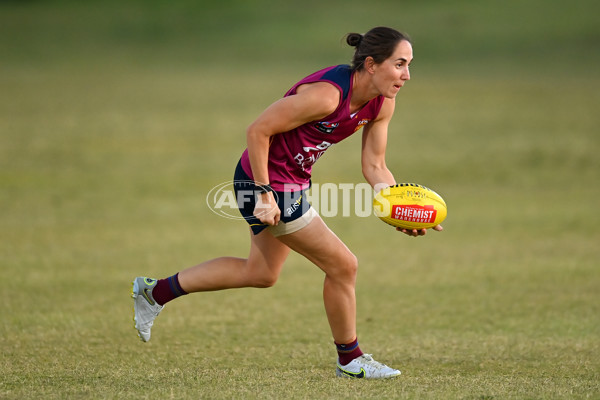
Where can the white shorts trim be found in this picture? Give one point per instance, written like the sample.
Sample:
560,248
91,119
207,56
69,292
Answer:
293,226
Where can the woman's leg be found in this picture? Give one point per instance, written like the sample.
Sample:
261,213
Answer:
260,269
321,246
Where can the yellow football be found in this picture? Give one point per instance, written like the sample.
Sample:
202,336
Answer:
410,206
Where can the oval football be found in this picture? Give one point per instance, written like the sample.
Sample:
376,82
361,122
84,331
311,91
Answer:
410,206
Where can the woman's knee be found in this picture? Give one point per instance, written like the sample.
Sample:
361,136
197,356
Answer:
267,255
264,281
344,267
261,276
352,265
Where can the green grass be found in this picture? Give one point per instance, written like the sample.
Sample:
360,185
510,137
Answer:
117,119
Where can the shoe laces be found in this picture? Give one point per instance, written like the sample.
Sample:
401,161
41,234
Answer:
368,359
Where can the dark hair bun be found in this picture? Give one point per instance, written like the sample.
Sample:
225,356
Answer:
354,39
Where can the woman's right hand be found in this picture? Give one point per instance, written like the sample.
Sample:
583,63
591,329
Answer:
266,209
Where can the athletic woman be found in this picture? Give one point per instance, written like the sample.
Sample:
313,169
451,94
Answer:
283,144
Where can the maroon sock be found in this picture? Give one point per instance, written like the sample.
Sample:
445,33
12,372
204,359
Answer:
348,352
167,290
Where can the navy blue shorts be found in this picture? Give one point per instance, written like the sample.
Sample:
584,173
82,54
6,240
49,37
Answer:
292,204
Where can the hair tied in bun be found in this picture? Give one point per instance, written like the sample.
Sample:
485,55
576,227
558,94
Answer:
354,39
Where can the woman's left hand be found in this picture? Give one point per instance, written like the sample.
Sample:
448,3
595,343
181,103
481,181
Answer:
419,232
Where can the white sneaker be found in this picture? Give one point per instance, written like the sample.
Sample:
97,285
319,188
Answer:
365,367
146,309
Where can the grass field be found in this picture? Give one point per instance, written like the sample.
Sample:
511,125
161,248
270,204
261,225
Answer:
117,118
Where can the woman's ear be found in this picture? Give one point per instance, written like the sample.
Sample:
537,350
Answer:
369,64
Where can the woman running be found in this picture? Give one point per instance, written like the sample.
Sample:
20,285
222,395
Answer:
282,145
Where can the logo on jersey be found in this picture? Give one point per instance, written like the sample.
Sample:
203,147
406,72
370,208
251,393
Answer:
312,154
361,123
326,127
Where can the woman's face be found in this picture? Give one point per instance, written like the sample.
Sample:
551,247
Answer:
391,74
